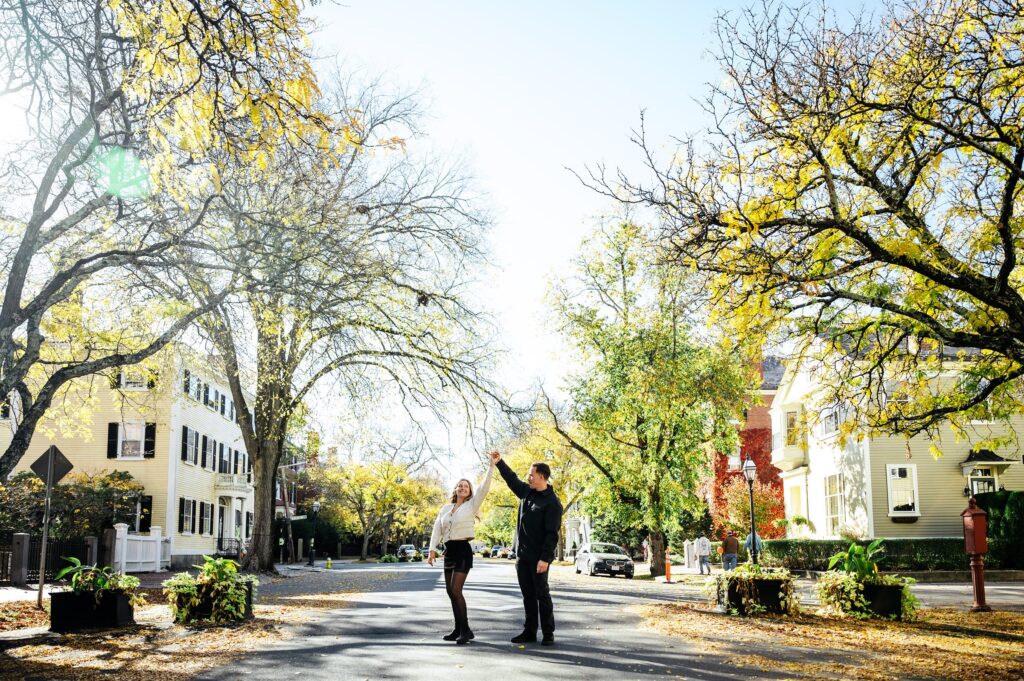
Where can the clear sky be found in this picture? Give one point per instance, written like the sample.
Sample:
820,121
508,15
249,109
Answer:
524,91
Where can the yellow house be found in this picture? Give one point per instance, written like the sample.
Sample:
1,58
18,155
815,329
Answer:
173,430
878,486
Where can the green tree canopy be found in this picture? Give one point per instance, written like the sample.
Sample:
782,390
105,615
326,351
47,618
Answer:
861,189
653,395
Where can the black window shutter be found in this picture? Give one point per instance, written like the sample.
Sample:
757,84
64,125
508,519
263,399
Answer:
193,516
112,432
220,454
206,393
223,404
202,517
231,409
115,381
237,462
184,443
187,385
205,443
181,514
145,513
150,443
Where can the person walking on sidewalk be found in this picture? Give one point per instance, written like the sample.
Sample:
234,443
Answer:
455,526
730,547
537,525
704,553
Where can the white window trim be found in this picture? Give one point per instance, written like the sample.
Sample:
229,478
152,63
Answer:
786,429
192,451
134,388
121,440
888,489
825,430
841,505
994,477
187,525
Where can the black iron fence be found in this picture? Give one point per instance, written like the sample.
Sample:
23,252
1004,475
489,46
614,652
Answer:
228,547
6,555
56,552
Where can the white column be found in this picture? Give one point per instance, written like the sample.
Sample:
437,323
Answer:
120,547
156,539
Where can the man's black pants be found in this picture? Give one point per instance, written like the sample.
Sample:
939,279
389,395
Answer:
536,597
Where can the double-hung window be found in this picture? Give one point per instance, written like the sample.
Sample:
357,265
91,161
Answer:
792,427
133,437
901,483
834,505
830,422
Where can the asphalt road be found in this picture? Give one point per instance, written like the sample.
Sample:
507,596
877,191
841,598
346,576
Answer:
392,628
395,632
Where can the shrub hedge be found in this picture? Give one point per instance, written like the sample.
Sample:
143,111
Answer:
901,555
1005,527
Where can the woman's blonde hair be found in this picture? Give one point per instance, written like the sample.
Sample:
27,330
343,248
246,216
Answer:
455,492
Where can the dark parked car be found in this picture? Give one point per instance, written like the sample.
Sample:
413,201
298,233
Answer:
499,552
602,558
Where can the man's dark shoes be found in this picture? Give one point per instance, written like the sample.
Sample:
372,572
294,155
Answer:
525,637
465,637
548,640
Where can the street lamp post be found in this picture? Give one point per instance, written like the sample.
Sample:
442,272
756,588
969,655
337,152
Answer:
750,472
312,540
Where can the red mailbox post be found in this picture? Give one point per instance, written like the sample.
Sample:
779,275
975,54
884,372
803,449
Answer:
976,543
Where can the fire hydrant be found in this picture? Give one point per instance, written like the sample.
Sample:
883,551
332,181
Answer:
328,562
668,567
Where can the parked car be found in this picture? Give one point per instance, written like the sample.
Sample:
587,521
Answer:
602,558
425,550
499,552
407,552
511,554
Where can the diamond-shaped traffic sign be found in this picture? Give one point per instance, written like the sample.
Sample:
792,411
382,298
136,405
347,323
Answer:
61,465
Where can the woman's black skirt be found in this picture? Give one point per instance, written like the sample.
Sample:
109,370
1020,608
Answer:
458,555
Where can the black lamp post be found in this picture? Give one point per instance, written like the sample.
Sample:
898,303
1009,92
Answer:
312,540
750,473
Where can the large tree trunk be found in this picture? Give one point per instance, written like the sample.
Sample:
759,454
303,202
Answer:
365,555
261,550
656,549
385,537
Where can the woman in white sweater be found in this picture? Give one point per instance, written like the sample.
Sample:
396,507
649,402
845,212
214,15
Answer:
455,525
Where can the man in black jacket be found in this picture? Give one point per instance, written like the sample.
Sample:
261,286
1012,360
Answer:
537,525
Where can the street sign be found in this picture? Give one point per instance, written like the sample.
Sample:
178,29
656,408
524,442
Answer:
298,517
51,467
61,465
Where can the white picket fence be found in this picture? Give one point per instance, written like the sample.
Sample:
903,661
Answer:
139,552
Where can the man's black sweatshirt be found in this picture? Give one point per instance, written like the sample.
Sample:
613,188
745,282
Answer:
538,520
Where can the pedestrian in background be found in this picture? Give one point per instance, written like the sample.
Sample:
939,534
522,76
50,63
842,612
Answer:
704,553
730,547
455,526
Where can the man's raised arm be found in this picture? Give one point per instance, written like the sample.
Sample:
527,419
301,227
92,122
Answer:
518,487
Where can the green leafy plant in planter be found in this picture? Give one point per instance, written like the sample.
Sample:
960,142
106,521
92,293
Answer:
857,589
388,558
217,594
751,589
97,580
99,597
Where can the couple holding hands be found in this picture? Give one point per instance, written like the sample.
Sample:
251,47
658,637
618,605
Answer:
537,527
